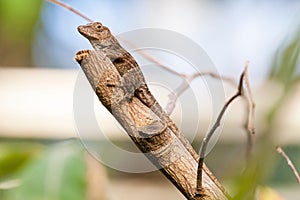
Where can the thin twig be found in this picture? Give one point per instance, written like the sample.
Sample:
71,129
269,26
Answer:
289,162
211,132
187,78
214,75
250,100
149,57
173,96
185,85
249,123
66,6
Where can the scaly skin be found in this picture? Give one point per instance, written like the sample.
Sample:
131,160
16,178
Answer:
101,39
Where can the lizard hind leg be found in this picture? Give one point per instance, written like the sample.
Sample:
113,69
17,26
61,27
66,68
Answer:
131,81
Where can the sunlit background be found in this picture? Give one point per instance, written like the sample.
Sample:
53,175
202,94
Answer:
38,41
230,32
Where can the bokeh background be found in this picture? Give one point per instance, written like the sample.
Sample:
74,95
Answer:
38,138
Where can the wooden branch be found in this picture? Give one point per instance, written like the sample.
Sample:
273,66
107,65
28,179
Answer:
147,130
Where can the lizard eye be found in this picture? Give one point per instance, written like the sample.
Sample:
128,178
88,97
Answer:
98,26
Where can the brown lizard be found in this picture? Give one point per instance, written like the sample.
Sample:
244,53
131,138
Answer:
112,91
101,39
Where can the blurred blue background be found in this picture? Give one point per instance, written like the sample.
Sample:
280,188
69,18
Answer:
231,32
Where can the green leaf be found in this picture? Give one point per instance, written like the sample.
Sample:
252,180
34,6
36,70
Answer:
14,155
18,17
57,175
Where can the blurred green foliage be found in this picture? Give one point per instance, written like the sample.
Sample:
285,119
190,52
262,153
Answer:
284,70
14,155
18,19
260,169
57,173
284,67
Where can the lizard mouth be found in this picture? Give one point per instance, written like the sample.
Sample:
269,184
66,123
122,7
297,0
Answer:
84,32
81,30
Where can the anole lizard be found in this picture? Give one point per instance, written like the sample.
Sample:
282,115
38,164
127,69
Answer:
101,39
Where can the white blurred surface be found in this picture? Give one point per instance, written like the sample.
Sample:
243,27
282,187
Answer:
38,103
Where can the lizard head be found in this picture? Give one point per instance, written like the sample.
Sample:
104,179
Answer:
94,31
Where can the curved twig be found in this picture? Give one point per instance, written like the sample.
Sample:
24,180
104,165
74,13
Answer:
249,123
211,132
